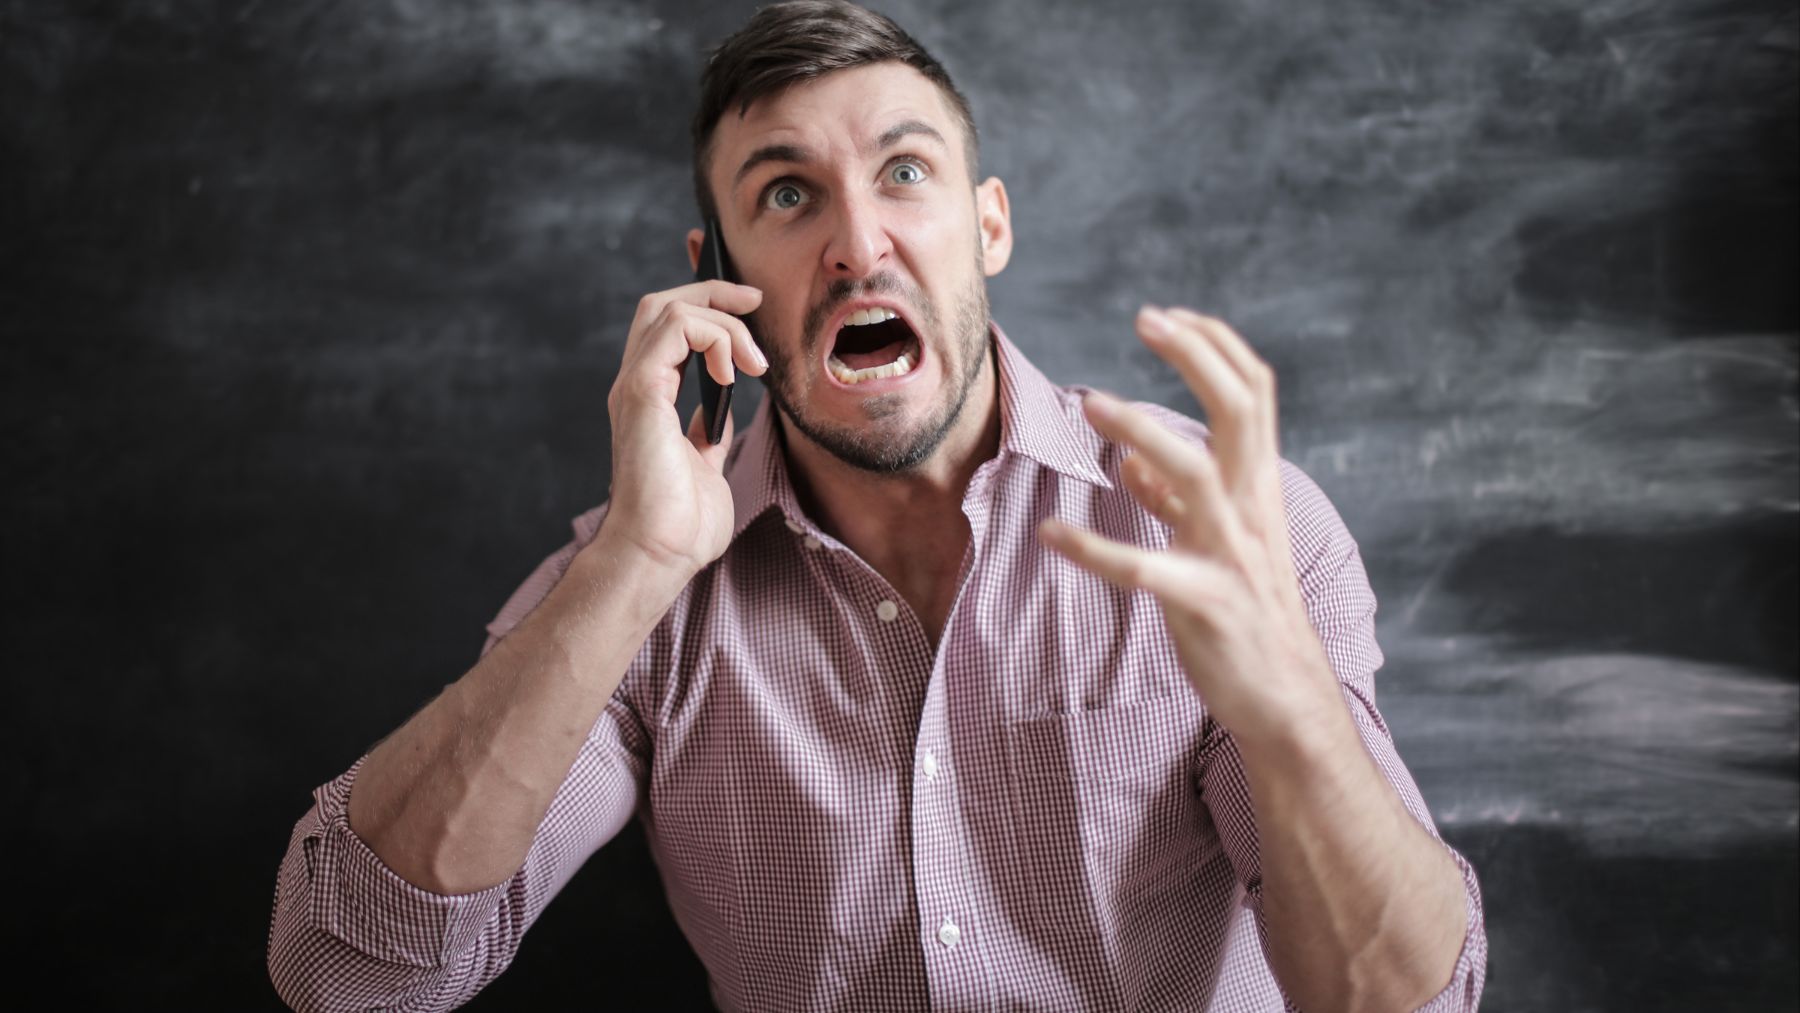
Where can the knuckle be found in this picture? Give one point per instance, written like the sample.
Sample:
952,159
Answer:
1263,375
1137,571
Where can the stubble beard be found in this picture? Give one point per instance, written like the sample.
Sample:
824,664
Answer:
881,449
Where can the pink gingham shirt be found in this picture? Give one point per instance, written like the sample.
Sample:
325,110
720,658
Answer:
1039,814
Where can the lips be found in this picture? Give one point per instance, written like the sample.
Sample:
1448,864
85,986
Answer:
871,341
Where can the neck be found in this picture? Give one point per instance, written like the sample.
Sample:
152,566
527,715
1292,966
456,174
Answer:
865,510
846,500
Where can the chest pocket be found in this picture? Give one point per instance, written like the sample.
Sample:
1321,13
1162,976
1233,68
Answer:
1105,815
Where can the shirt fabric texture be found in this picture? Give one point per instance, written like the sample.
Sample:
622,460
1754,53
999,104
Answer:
1040,814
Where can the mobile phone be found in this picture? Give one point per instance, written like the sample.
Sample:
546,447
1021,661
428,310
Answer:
715,397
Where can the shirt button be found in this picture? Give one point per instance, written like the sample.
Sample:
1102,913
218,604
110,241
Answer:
886,611
812,543
949,934
792,525
931,766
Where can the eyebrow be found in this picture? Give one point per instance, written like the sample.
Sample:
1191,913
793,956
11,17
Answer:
799,155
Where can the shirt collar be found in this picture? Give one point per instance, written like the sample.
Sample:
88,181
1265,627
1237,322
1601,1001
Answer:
1040,421
1037,421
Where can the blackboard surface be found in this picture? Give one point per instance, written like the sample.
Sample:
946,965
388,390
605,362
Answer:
308,312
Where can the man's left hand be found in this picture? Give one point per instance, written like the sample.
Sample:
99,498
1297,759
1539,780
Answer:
1227,584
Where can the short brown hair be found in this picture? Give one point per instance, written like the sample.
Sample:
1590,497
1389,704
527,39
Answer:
787,43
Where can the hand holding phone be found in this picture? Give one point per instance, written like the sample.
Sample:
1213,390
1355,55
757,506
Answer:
670,505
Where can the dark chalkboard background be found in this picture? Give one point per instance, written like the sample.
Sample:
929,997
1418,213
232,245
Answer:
309,310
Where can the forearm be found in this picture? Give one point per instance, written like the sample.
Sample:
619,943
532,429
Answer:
452,800
1364,909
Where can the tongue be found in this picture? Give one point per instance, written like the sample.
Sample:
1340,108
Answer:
879,357
870,345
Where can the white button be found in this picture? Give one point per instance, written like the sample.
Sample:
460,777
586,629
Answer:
886,611
948,933
812,543
930,766
792,525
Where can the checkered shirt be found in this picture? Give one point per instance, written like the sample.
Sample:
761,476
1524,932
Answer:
1039,814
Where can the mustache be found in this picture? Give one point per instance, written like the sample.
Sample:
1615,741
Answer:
845,289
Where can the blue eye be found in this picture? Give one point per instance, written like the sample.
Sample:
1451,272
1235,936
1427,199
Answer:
785,197
907,173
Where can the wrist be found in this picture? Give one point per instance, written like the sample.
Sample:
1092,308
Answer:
623,566
1306,736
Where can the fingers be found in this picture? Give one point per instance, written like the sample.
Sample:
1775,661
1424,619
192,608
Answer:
1180,461
694,318
1198,512
1240,408
723,296
1257,374
1180,581
707,336
1254,371
1148,487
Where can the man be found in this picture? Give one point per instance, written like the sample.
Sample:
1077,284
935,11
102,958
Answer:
941,686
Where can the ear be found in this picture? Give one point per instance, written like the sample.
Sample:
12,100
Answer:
696,239
994,218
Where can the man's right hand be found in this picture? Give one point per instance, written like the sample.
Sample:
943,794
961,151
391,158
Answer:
669,499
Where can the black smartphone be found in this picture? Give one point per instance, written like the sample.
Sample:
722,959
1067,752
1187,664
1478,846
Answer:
715,397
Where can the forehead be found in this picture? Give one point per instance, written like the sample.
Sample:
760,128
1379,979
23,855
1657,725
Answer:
852,106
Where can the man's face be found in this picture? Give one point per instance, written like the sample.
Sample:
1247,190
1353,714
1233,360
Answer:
845,200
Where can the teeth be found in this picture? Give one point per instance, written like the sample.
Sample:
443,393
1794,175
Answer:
899,366
872,315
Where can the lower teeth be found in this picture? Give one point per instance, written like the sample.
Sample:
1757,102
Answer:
853,376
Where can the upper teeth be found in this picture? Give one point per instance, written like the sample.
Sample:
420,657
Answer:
872,315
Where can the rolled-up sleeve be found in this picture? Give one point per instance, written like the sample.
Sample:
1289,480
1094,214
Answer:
348,933
1341,605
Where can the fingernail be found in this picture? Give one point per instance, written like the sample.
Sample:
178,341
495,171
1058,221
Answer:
1156,321
756,353
1099,401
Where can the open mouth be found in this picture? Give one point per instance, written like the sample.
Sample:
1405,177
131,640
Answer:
872,344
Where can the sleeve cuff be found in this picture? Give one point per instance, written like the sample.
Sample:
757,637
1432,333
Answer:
358,899
1463,993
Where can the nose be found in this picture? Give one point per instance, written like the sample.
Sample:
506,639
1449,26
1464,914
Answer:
859,243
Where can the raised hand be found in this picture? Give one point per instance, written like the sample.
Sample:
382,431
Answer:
1227,584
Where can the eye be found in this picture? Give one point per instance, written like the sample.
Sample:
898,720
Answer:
784,197
907,173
